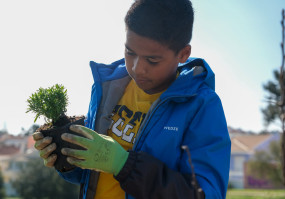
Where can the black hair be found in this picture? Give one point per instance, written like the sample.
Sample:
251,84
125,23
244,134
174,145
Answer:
169,22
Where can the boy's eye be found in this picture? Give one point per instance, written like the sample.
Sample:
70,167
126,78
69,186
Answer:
152,61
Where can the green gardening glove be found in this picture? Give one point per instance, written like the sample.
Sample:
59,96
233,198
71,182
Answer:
102,152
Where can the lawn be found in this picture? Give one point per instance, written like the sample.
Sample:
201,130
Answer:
12,198
255,194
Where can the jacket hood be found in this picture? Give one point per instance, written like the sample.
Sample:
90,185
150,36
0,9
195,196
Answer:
106,72
193,62
186,83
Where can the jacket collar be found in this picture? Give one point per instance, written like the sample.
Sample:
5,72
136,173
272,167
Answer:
186,83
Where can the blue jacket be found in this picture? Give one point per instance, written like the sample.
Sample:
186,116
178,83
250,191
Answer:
188,113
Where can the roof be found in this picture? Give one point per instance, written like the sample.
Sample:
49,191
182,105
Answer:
8,150
247,143
30,142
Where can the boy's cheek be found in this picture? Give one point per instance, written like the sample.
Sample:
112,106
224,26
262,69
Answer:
129,69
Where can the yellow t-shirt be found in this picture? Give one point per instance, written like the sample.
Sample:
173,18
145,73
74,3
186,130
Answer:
126,119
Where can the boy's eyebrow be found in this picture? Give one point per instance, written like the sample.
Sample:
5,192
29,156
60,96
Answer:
128,48
147,56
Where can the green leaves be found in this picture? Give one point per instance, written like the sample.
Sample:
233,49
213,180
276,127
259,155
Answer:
272,112
42,183
2,188
50,103
267,164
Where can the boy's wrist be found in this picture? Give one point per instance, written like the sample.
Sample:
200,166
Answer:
127,167
121,161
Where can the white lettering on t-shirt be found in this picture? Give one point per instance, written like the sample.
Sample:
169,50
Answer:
115,130
126,137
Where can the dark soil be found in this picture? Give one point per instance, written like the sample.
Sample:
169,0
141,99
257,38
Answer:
55,131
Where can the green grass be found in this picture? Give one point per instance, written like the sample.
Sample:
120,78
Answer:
12,198
255,194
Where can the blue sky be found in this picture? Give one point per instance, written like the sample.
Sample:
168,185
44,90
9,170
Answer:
49,42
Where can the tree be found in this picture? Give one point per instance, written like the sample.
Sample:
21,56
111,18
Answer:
35,181
2,190
3,132
267,164
275,109
32,129
272,112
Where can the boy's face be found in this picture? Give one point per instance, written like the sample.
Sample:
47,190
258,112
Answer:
152,65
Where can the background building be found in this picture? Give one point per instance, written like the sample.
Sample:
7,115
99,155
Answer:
15,151
244,146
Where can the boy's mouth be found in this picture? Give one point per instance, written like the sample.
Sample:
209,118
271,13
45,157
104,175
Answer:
142,80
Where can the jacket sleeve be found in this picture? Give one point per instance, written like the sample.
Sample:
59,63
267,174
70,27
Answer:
144,176
75,176
210,146
165,183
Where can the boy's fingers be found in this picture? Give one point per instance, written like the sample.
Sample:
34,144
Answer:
49,162
78,154
37,136
76,162
42,143
86,132
45,153
80,163
78,140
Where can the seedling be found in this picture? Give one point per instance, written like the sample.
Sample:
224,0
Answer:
50,103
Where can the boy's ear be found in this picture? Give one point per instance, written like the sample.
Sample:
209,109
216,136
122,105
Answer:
184,53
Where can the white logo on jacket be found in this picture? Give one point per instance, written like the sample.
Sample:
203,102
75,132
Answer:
171,128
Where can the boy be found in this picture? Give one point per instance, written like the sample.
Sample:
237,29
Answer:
146,107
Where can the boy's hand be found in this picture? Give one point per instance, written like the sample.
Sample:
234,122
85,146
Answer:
43,144
102,152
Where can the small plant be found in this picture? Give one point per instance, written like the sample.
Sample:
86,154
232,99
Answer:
50,103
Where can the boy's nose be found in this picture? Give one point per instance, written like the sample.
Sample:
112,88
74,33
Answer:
139,67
